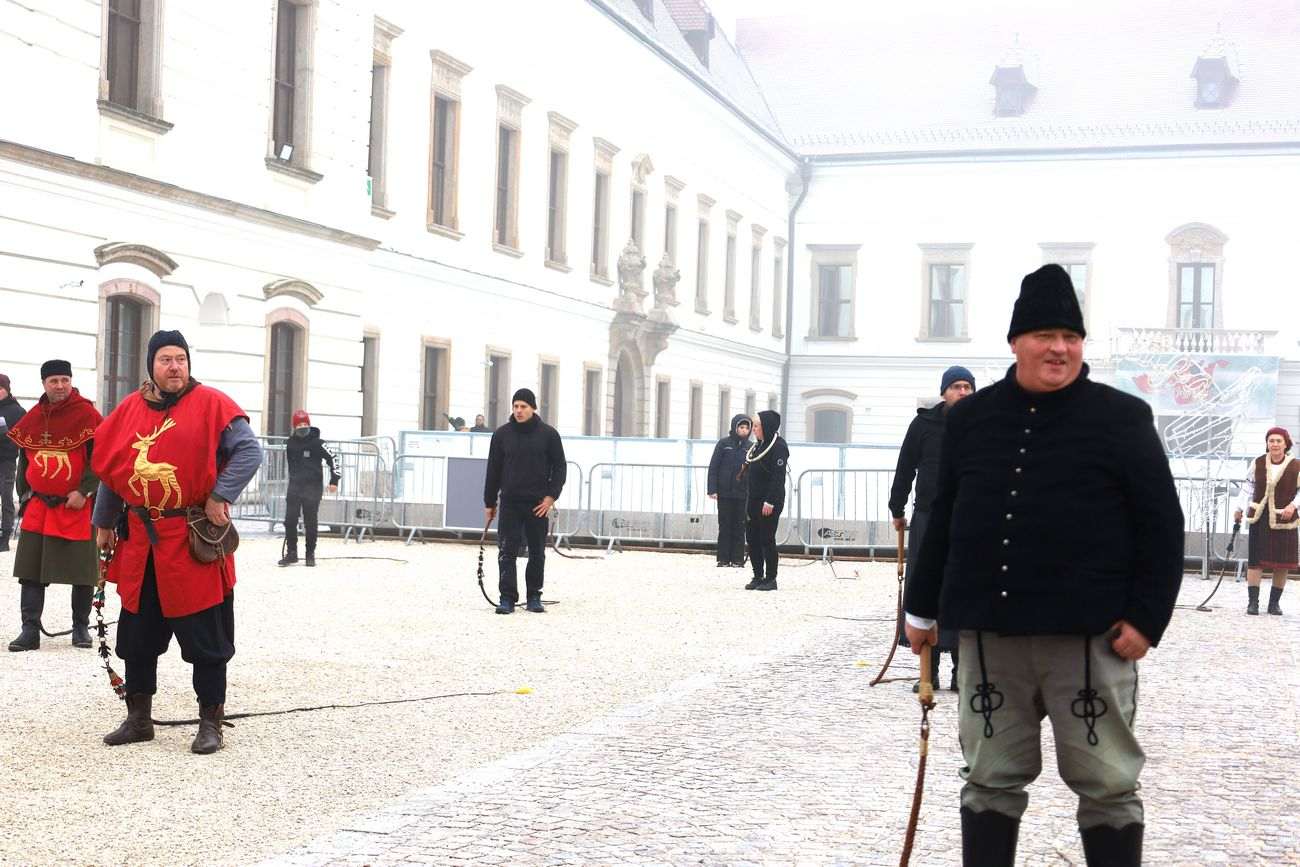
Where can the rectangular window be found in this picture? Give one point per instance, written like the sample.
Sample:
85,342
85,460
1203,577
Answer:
947,300
729,283
369,385
834,300
281,388
497,398
124,360
751,404
124,53
724,411
830,426
591,402
378,133
1196,296
555,207
433,403
286,76
702,268
755,287
600,227
547,392
771,401
778,293
696,417
1078,272
670,233
505,232
663,407
445,135
638,219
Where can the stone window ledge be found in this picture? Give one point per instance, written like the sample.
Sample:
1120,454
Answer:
381,212
445,231
136,118
830,338
703,311
601,279
927,338
757,329
284,168
558,266
730,318
508,250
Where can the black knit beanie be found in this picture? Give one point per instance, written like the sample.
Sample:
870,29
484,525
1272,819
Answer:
526,396
1047,300
167,338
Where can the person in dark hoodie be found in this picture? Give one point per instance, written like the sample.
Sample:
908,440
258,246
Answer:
304,453
525,475
10,412
764,471
725,487
919,458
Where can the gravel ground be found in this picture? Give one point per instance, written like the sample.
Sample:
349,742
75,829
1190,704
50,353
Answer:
364,630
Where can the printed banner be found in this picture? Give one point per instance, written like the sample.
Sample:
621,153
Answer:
1238,386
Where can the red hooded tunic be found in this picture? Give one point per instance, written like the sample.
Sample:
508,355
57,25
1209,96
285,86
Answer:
55,438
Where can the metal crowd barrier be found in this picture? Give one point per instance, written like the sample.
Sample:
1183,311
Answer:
843,509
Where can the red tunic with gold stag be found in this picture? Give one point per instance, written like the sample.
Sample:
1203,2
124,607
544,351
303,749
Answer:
55,437
158,460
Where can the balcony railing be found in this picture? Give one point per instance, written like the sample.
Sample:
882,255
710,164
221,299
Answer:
1225,341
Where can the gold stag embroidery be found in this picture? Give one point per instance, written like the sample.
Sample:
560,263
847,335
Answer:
43,457
147,471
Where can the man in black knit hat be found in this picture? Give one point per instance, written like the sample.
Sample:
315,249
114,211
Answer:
765,469
525,475
1055,546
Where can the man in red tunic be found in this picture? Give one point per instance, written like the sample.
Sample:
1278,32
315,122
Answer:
172,445
56,482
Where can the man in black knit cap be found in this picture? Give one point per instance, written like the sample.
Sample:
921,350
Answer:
1055,546
765,470
525,474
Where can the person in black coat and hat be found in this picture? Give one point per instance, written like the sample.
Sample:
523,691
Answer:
725,486
765,470
305,454
1055,545
525,474
919,458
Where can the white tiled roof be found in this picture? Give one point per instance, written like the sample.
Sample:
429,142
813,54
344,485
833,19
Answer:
915,76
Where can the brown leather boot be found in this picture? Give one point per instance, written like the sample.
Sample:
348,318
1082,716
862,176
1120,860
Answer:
208,740
138,725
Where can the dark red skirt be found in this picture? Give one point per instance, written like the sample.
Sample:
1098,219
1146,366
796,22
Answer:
1272,549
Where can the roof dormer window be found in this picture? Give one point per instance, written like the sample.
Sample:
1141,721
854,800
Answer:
1215,82
1014,91
696,24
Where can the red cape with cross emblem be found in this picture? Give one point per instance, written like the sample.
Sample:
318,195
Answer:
54,436
165,459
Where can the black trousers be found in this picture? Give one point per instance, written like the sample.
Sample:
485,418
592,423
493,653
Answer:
731,530
309,506
760,531
8,472
207,640
516,524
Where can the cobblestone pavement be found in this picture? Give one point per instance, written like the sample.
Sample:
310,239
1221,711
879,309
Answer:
794,760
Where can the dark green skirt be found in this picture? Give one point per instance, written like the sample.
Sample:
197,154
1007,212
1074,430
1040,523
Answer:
51,560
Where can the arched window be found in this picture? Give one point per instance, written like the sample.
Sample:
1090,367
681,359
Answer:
124,349
286,376
1196,277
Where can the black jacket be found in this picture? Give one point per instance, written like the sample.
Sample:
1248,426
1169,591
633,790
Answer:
1055,514
766,477
919,458
305,454
10,411
724,466
525,463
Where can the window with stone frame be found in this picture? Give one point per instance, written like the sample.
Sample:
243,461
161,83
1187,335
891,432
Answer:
125,322
600,218
130,68
556,196
592,397
377,151
285,371
695,412
295,26
751,404
369,385
548,391
1076,259
729,275
945,281
444,144
724,411
834,296
496,390
756,280
505,209
830,424
771,401
702,267
670,233
663,406
435,370
1196,258
778,286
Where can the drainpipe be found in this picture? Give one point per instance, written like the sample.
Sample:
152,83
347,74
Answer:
805,176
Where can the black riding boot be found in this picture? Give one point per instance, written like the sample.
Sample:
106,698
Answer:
1252,600
82,594
1274,597
290,556
1104,846
31,603
988,839
209,739
138,725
